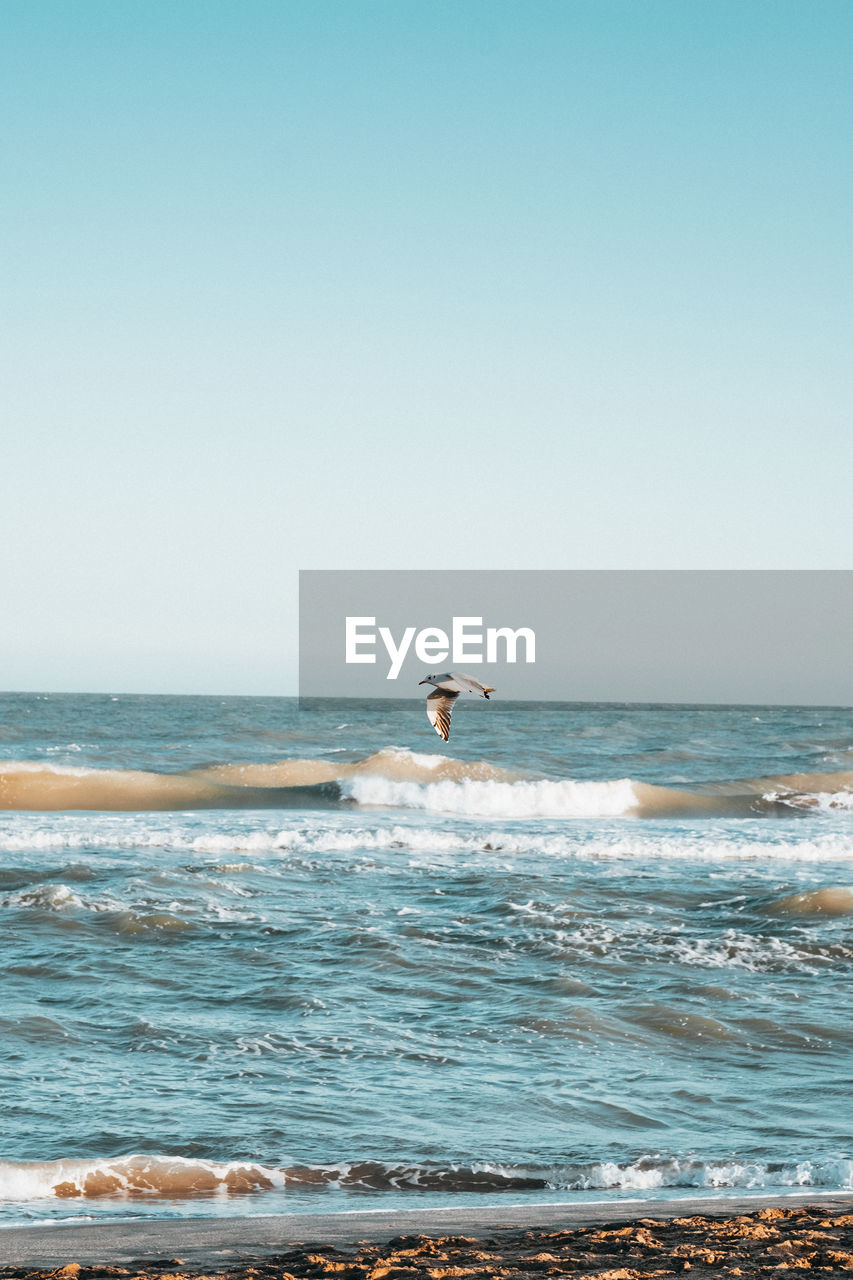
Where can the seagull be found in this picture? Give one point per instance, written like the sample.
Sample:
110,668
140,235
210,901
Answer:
439,703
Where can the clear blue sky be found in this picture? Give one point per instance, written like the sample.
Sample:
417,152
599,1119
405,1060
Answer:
407,285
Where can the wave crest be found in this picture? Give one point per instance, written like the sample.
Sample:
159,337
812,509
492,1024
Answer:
398,778
175,1177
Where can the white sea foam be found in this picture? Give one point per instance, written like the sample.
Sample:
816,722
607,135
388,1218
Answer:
834,799
541,799
827,800
652,1173
754,953
50,897
230,838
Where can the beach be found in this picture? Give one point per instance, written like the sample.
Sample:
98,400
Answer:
392,355
734,1237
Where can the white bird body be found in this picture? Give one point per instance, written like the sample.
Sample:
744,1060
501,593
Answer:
439,703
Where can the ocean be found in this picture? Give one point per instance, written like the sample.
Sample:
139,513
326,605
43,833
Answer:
263,957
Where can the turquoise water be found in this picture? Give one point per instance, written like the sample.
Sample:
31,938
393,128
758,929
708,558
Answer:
581,951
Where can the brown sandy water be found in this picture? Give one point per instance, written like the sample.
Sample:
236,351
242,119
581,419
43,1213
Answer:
285,783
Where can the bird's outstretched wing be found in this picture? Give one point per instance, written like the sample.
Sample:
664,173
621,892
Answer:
466,684
439,706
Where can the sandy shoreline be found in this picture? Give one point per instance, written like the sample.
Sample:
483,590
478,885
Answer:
738,1236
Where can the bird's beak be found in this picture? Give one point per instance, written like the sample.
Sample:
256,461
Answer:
423,682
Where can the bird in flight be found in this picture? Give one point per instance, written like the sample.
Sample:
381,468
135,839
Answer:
439,703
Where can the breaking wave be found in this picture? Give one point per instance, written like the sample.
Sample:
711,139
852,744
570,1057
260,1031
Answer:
175,1177
398,778
471,798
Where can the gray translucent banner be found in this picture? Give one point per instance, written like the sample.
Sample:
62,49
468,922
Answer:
574,635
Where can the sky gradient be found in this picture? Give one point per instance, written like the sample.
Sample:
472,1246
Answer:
394,285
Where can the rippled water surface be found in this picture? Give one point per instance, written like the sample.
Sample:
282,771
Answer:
284,959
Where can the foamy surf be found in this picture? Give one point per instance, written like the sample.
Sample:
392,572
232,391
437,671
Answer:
268,844
468,798
130,1176
167,1177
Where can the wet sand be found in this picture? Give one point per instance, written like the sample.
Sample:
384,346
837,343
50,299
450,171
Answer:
743,1237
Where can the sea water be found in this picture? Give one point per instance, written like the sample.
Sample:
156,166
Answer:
260,957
